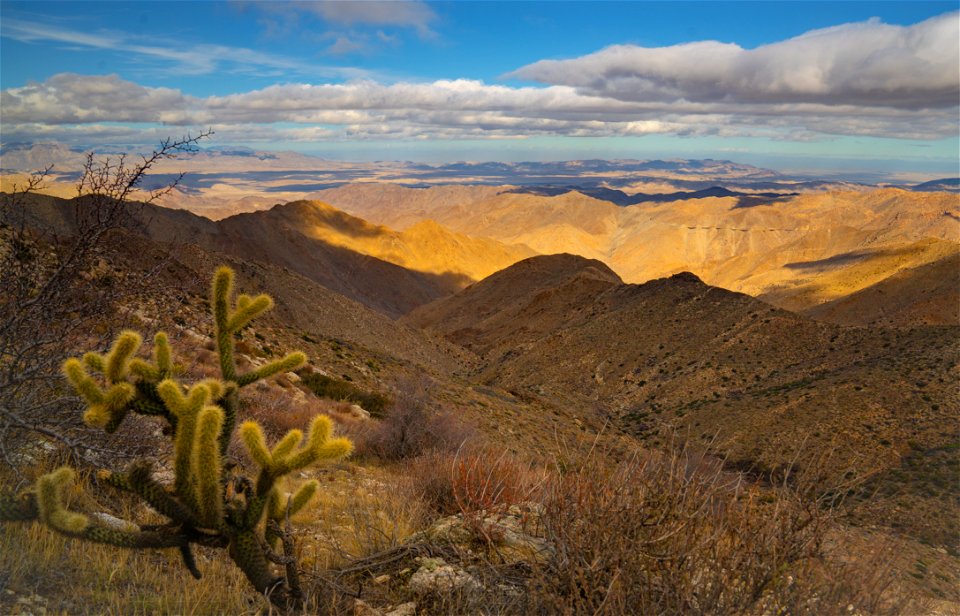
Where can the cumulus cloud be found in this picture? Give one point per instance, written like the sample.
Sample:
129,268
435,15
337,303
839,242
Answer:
870,64
445,109
68,98
867,79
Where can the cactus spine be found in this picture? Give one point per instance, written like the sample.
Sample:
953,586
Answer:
207,504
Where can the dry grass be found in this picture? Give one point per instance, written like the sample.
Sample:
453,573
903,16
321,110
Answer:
41,570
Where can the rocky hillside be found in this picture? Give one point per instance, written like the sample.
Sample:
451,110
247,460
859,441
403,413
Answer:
752,382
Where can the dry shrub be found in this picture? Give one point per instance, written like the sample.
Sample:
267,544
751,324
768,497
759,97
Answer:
278,410
473,479
413,427
675,534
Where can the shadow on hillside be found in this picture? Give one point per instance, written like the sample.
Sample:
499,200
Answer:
846,259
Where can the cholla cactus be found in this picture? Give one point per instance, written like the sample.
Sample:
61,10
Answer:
206,505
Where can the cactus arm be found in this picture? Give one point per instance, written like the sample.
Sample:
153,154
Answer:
53,513
75,372
288,363
248,309
143,484
287,444
222,286
189,561
118,359
229,402
303,496
245,550
94,361
256,443
162,355
206,462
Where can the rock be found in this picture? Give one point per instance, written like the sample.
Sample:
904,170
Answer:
293,377
362,608
404,609
510,532
358,412
382,579
436,576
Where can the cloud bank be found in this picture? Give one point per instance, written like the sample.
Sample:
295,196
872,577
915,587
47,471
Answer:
864,64
867,79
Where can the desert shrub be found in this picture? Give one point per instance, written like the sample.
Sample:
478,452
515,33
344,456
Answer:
676,534
411,427
473,479
339,389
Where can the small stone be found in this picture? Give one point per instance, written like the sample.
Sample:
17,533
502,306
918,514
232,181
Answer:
404,609
358,412
435,576
381,579
362,608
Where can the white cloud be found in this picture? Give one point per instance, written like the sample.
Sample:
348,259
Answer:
68,98
866,64
446,109
867,79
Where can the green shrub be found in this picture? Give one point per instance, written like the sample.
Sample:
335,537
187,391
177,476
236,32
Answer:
339,389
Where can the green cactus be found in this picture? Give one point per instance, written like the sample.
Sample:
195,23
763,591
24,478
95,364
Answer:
210,503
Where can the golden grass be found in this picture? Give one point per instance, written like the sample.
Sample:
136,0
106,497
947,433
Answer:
358,511
78,577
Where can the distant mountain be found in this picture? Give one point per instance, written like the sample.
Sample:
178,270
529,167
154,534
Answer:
945,184
725,371
37,156
621,198
425,247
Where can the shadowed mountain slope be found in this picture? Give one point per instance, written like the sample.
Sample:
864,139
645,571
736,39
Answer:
753,382
273,238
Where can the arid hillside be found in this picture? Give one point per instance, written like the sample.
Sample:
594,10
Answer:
342,253
797,253
928,293
752,382
424,247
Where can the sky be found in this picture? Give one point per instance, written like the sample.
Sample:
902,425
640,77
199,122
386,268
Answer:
819,86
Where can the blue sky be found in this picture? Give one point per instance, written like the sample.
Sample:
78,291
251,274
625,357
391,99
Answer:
833,86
